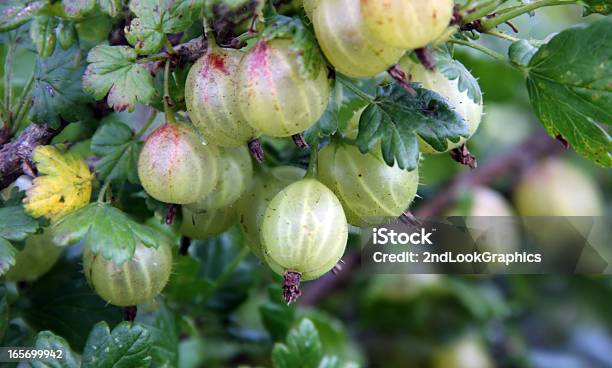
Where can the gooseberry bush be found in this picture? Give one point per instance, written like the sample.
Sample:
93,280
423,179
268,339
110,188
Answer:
168,163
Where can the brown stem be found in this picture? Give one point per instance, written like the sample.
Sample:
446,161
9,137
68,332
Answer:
426,58
402,79
19,150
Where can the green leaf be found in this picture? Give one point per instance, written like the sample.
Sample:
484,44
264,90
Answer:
111,7
15,224
328,123
78,8
304,43
453,69
118,149
162,326
330,362
113,70
521,52
276,316
176,87
14,13
202,279
57,92
570,88
104,229
66,34
127,346
597,6
46,340
396,118
42,32
4,309
156,18
57,302
303,348
7,256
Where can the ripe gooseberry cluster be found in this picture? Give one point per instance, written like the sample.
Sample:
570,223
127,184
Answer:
296,222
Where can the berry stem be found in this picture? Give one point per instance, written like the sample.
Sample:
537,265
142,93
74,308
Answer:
401,78
103,191
311,172
426,58
490,23
169,47
146,125
168,104
291,286
475,46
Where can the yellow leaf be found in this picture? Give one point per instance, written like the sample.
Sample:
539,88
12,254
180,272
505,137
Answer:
64,187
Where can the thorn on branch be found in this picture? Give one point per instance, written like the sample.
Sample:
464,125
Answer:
398,74
463,156
256,150
129,313
426,58
171,213
299,141
291,286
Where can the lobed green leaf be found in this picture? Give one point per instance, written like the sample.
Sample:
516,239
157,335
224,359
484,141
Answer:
113,70
15,224
14,13
42,32
47,340
163,329
570,87
396,118
78,8
521,52
7,255
156,18
127,346
302,349
453,69
597,6
105,230
118,150
57,93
